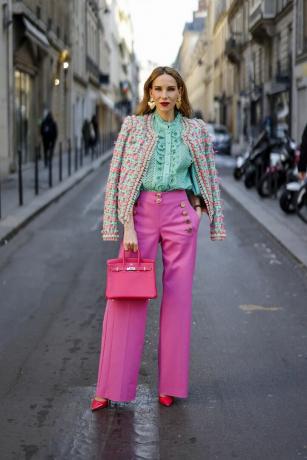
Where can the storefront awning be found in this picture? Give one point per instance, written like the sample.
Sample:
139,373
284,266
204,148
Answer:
36,35
273,87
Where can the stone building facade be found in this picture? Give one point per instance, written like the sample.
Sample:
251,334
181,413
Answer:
252,55
74,58
299,81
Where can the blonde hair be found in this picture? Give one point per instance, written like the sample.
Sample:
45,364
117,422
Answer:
185,107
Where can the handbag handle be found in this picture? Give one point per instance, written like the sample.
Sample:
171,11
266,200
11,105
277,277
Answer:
139,256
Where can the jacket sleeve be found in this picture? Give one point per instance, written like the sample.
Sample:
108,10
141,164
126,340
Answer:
110,211
217,228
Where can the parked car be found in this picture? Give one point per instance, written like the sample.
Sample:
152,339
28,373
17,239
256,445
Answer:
221,138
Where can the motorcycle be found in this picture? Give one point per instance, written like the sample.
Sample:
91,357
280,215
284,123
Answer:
280,169
244,163
241,164
301,202
288,196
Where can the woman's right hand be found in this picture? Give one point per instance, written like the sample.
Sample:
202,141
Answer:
130,237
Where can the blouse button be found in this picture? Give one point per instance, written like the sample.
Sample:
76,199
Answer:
184,213
189,229
182,204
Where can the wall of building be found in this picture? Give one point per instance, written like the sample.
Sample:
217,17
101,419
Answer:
5,71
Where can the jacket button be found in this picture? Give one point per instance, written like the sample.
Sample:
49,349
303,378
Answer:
184,213
189,229
182,204
188,221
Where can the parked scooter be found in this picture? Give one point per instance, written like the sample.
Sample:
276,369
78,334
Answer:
259,158
242,162
246,163
288,196
301,202
280,169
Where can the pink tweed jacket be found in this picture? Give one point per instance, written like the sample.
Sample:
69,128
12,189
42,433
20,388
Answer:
133,148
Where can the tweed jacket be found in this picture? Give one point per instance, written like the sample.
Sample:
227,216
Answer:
135,143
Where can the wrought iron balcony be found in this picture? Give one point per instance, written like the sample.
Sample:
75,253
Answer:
233,50
261,20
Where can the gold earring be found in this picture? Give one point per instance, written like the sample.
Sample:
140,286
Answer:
151,104
178,103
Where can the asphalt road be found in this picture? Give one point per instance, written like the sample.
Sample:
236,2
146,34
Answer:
248,376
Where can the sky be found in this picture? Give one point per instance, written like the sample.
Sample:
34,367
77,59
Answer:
158,26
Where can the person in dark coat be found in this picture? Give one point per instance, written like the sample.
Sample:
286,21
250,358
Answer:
49,133
94,123
86,134
302,165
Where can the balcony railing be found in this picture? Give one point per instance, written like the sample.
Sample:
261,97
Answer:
266,9
261,20
233,50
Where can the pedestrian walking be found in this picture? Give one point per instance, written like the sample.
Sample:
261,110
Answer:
49,134
95,131
302,165
86,135
162,179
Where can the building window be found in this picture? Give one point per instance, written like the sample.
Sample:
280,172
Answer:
301,29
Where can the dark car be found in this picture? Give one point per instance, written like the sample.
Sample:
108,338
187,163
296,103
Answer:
221,139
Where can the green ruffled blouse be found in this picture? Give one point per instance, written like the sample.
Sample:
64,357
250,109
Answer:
171,166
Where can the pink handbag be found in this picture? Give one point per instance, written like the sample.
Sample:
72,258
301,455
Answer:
131,278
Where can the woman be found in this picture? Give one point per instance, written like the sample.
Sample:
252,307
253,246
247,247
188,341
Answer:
162,178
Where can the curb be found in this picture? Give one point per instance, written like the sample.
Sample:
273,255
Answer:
281,234
10,225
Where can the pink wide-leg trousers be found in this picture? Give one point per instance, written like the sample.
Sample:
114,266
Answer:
167,218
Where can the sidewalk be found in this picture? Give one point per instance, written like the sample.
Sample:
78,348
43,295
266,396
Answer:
14,217
287,229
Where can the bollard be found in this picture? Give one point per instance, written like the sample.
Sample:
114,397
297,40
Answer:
20,184
60,162
76,153
36,186
50,167
69,157
81,152
0,200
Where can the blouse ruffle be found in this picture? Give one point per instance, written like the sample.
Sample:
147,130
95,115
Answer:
171,166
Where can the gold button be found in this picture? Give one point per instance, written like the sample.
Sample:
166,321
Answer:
182,204
158,194
184,213
158,200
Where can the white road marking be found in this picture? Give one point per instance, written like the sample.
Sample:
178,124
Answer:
250,308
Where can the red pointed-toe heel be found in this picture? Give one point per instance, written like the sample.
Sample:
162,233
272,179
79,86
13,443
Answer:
99,404
166,400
